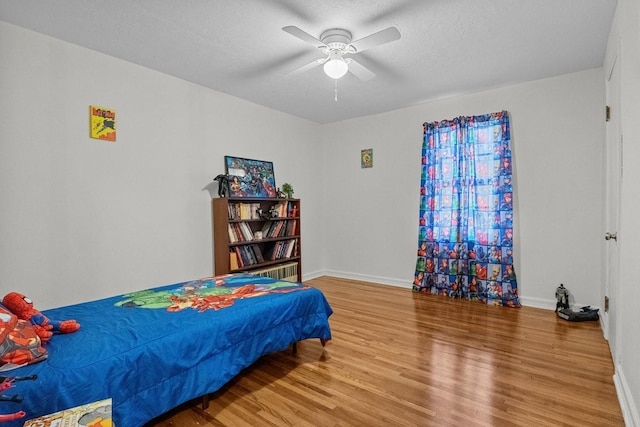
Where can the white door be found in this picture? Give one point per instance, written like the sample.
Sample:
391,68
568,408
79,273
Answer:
613,179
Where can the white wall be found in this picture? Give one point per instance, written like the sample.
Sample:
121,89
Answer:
557,133
81,218
626,31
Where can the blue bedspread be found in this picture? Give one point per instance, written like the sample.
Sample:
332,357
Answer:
153,350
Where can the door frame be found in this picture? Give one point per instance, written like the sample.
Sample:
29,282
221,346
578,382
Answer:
612,189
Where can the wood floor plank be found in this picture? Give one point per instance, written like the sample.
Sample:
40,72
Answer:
407,359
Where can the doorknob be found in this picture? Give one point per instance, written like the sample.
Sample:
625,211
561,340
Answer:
611,236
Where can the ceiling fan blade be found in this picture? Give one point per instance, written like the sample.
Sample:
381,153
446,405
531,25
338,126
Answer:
304,36
293,8
307,67
360,71
398,8
376,39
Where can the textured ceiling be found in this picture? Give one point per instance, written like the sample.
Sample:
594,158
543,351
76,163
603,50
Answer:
447,47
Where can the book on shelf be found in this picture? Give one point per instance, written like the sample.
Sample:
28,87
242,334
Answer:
291,227
238,257
265,229
239,233
290,247
280,250
244,256
258,253
246,231
243,211
283,229
235,235
233,260
274,227
271,253
251,254
277,225
232,234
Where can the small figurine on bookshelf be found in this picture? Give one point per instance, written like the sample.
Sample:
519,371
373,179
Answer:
223,185
273,212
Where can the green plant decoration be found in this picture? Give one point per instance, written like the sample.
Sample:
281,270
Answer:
288,190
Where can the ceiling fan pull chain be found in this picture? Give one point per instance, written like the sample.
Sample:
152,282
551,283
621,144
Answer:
336,91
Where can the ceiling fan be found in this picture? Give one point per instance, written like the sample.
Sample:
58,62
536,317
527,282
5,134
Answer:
336,44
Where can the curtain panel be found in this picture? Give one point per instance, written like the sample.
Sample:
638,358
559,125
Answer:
465,232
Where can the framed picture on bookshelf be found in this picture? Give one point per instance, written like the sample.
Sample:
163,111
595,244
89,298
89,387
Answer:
250,178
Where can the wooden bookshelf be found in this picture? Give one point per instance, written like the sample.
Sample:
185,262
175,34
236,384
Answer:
245,241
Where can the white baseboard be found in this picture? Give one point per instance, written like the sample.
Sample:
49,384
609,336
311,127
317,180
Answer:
364,278
547,304
312,275
629,409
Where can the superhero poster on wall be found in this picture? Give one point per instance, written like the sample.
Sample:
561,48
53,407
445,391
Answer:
250,178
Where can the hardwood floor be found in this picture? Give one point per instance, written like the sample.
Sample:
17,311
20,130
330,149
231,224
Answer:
398,358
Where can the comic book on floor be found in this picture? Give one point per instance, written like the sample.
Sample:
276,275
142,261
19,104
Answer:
95,414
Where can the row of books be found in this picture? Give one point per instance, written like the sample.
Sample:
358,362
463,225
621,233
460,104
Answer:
283,249
248,255
243,211
287,271
279,228
248,211
281,209
245,256
242,232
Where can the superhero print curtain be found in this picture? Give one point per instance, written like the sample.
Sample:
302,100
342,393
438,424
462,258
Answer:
465,237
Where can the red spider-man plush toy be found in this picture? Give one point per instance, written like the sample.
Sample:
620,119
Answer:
22,307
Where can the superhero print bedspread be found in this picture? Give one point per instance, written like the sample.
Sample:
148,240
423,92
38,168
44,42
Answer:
152,350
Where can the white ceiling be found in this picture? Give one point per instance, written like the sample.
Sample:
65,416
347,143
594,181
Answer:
448,47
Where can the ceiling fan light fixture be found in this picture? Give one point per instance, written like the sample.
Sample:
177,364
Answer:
336,43
335,68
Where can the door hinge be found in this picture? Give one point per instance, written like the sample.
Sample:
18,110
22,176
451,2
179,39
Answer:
607,113
606,303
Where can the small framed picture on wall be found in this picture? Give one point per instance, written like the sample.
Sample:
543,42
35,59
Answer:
366,158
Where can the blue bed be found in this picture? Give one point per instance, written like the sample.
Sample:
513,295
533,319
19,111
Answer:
153,350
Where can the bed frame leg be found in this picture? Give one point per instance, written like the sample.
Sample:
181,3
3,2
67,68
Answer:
294,348
205,402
